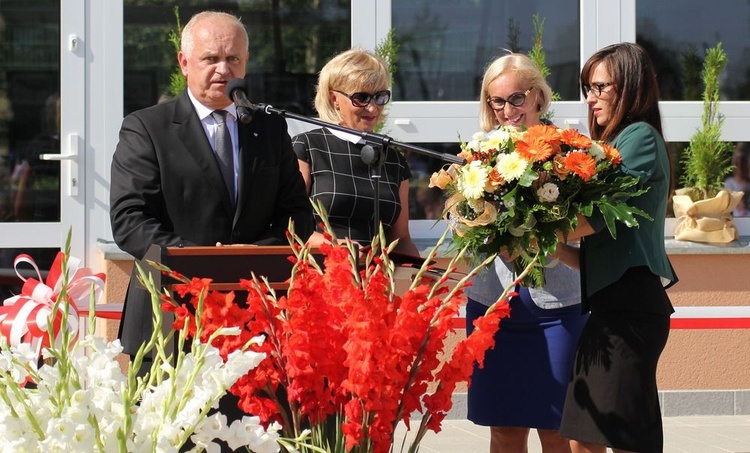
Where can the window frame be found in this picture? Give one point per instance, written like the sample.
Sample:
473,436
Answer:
603,22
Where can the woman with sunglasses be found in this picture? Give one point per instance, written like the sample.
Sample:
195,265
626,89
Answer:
523,382
612,399
352,91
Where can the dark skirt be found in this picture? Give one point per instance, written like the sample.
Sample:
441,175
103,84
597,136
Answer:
525,375
612,398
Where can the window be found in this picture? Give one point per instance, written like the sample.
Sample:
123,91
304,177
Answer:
677,34
289,42
678,46
445,45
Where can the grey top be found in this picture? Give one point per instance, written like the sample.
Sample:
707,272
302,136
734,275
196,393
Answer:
562,288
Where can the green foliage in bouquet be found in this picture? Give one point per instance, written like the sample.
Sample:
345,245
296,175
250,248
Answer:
708,160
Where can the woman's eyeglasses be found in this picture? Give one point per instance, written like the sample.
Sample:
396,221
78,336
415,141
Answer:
515,99
361,99
595,89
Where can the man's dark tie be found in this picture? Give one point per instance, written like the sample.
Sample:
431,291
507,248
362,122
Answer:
224,150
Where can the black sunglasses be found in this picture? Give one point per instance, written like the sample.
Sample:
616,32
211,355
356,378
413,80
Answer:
361,99
515,99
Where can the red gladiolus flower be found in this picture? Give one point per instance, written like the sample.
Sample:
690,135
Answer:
343,346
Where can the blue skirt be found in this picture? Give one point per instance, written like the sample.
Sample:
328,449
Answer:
526,374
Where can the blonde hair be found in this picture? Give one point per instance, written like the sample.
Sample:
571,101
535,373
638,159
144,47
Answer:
350,71
187,41
526,70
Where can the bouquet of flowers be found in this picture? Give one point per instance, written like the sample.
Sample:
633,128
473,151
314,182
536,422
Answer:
349,358
78,399
520,190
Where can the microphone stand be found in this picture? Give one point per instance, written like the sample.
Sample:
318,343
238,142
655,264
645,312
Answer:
373,153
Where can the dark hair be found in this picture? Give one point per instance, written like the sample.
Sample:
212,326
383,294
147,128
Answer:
636,90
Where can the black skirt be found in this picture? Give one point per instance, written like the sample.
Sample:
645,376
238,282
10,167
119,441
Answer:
612,398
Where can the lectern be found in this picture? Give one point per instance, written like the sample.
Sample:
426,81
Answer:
225,265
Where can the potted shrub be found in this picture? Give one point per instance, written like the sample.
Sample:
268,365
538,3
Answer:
703,207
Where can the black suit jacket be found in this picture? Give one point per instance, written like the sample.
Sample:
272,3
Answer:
167,189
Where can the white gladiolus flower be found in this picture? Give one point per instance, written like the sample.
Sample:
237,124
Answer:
94,397
248,431
82,401
548,192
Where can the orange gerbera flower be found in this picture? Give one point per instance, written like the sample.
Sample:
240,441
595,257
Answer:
536,149
612,154
549,134
581,164
575,139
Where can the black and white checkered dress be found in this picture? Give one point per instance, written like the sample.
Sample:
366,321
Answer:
341,181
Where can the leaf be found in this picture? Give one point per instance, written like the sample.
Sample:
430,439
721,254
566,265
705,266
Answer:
621,212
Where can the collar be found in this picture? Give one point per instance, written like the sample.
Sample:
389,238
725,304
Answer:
348,137
204,111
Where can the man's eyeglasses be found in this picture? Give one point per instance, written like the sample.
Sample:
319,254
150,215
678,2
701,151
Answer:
515,99
595,89
361,99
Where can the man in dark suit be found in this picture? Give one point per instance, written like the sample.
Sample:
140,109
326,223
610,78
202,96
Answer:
167,186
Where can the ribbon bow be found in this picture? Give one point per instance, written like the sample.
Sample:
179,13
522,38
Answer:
25,318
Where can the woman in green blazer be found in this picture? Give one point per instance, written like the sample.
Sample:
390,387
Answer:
612,398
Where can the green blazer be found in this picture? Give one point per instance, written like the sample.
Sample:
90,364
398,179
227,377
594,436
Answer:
604,259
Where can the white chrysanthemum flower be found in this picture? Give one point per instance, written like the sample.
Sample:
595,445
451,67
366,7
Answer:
548,192
490,143
511,166
472,179
500,135
596,151
473,146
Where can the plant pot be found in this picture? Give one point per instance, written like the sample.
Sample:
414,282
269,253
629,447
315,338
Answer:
708,220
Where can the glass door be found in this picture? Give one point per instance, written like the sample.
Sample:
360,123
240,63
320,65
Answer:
42,121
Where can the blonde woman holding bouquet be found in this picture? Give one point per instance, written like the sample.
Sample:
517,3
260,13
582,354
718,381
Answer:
523,382
612,399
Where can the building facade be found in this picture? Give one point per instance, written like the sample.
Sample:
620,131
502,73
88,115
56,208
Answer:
70,70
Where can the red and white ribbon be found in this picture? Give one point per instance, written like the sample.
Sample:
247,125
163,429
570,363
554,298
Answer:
25,318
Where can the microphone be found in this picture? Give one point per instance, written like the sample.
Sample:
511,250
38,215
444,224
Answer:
236,92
